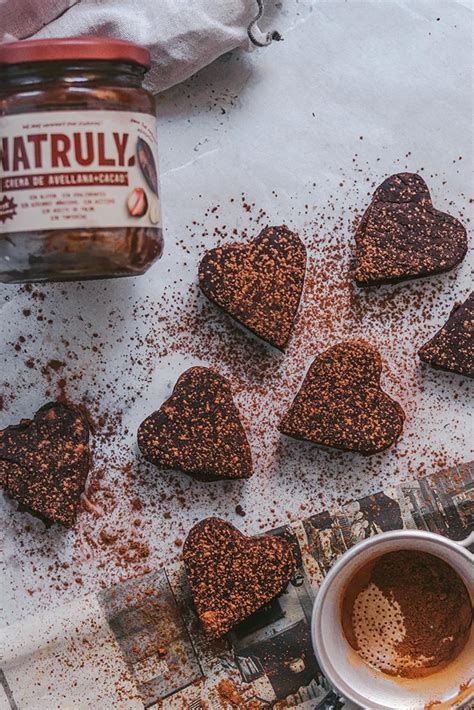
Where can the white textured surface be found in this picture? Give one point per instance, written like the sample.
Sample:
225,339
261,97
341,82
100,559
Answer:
43,651
276,120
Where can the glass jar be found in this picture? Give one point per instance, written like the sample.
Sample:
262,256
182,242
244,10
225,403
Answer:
79,192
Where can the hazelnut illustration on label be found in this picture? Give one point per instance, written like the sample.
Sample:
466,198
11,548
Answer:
137,202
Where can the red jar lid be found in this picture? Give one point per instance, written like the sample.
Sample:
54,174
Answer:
56,50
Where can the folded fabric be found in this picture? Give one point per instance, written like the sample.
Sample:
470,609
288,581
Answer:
182,36
20,19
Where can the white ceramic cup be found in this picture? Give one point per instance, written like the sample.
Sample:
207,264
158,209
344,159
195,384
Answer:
355,680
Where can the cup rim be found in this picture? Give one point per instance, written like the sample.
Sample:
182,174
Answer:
323,658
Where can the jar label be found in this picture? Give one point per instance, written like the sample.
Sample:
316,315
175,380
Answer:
78,169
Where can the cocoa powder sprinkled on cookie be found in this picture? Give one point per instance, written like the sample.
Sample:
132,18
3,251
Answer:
452,348
402,236
231,575
259,284
341,404
44,462
198,429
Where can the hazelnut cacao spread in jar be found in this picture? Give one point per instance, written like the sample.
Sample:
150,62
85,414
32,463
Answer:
79,194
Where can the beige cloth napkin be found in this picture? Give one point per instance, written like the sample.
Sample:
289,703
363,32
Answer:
182,36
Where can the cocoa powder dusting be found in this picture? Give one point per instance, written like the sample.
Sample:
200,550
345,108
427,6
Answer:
434,601
425,607
115,349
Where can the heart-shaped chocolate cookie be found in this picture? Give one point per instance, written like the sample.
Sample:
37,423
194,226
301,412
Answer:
259,284
198,429
231,575
341,404
44,462
452,348
402,236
